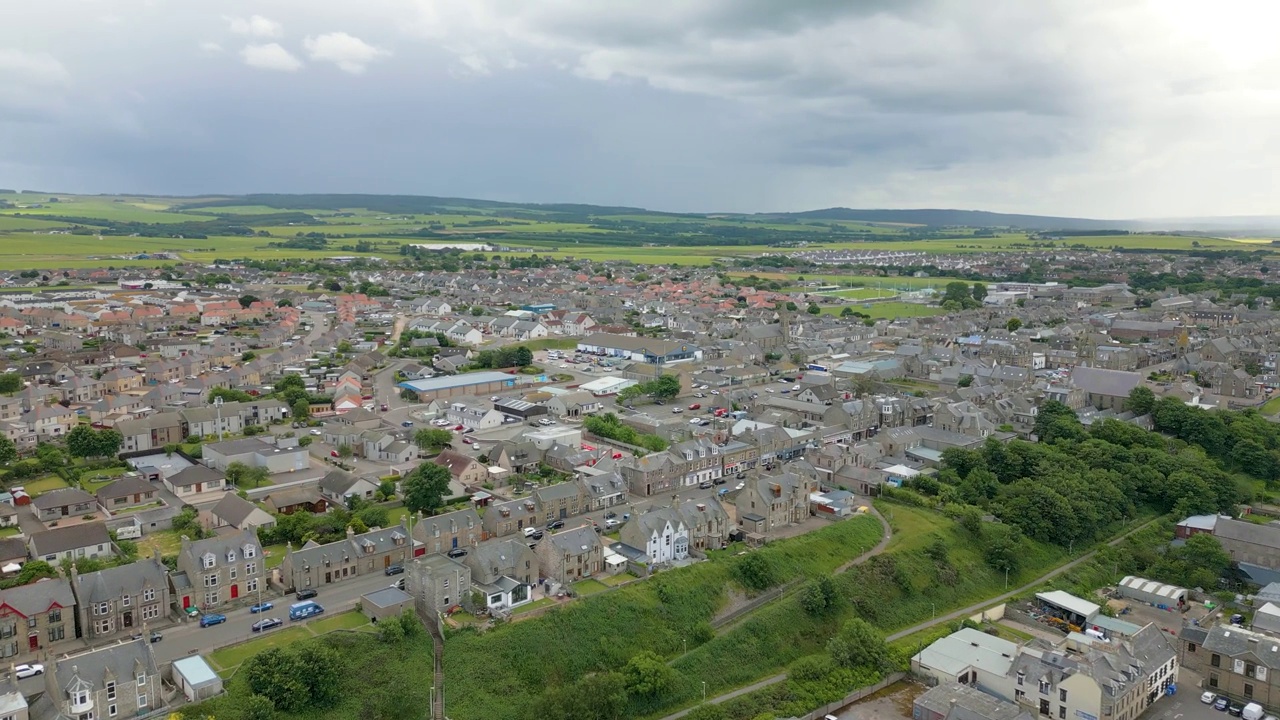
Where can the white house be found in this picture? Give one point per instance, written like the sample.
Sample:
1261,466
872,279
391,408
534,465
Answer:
661,533
477,418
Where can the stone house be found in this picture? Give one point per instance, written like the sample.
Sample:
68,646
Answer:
120,680
122,599
442,533
222,569
439,584
570,555
37,617
314,565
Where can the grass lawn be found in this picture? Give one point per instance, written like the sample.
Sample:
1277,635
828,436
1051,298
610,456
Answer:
168,542
43,485
93,486
228,658
1271,407
275,555
396,513
552,344
589,587
10,531
911,526
533,606
619,579
349,620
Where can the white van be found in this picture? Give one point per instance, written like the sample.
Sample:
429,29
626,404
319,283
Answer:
1252,711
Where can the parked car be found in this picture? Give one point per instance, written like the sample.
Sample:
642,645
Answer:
212,619
306,593
718,481
1208,698
394,570
1235,709
695,406
555,524
317,433
610,515
533,532
1221,703
26,671
267,624
260,607
677,410
457,552
383,407
705,485
467,441
611,523
406,423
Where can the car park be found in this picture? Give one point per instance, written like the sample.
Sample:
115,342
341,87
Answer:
260,607
212,619
267,624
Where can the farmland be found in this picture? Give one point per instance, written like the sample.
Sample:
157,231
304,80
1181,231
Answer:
581,232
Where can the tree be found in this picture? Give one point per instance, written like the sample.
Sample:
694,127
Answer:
425,488
344,346
1048,412
108,442
431,439
247,300
229,395
333,286
1004,548
10,383
373,516
813,309
1141,400
957,292
819,596
791,306
846,311
648,675
248,356
301,410
8,451
476,311
82,441
275,675
344,451
523,356
707,711
284,303
858,645
964,381
305,441
979,291
755,572
1013,324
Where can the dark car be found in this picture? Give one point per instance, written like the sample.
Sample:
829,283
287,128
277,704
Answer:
1235,709
212,619
457,552
307,594
1221,704
394,570
610,515
555,524
719,481
260,607
267,624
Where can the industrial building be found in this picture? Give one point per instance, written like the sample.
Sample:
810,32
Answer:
607,386
1152,593
479,383
639,349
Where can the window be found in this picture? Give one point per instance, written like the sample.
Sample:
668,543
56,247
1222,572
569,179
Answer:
1215,660
125,600
31,622
211,598
142,700
1191,647
102,626
233,572
250,552
142,680
251,569
80,697
57,633
1044,688
1062,695
111,710
1021,677
1250,669
446,584
211,580
151,612
1062,712
101,609
207,561
1213,680
231,556
111,690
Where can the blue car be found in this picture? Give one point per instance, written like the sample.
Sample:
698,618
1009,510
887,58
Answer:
214,619
1221,704
260,607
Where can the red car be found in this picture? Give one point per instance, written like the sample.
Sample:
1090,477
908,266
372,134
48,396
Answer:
467,441
460,428
695,406
333,453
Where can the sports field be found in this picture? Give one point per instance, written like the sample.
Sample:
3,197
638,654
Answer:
34,233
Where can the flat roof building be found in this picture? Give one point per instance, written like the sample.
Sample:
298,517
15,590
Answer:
639,349
479,383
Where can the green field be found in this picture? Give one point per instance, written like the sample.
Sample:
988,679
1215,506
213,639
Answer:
25,242
889,310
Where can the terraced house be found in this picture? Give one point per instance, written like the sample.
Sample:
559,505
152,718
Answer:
442,533
314,565
37,617
1241,664
121,600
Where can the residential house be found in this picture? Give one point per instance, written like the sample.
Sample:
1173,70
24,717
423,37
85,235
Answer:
707,522
130,491
504,571
465,470
48,420
602,491
560,501
210,422
1241,664
82,540
314,565
510,517
276,456
222,569
234,511
442,533
438,583
769,502
338,486
152,432
194,480
120,600
120,680
40,616
660,532
64,502
287,501
570,555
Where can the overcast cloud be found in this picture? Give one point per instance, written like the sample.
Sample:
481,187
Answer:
1101,108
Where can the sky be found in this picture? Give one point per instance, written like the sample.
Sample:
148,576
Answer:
1093,108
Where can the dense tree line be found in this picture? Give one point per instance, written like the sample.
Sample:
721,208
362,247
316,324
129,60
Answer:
608,426
506,357
1077,484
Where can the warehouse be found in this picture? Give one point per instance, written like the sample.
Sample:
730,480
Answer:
479,383
639,349
519,409
1066,606
1152,593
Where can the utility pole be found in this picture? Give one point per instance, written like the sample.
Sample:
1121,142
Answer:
217,405
1006,577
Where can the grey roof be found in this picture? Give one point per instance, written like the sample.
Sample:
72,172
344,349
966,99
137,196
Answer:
1112,383
491,561
234,509
39,596
62,539
959,702
577,540
220,545
126,486
194,475
1233,641
285,497
111,583
386,597
449,523
111,663
61,498
1247,532
353,545
242,446
338,482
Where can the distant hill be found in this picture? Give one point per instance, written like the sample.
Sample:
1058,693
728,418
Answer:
961,218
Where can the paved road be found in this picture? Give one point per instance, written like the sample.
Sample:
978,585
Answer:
963,612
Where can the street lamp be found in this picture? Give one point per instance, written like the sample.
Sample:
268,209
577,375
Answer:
704,691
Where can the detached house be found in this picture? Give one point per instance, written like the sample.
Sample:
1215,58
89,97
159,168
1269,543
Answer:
465,470
65,502
505,572
774,501
72,542
570,555
114,681
661,533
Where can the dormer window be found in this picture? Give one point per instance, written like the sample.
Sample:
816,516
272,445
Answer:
231,556
250,552
207,561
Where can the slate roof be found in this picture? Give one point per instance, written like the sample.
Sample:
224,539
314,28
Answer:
111,583
114,662
38,597
70,537
62,498
1112,383
126,486
234,509
194,475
